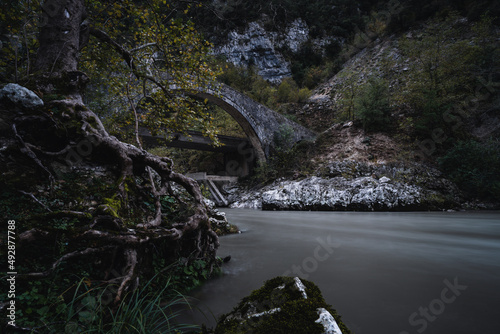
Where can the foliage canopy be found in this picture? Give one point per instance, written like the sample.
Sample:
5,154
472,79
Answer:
142,57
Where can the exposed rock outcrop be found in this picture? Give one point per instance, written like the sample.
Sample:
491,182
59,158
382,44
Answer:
283,305
261,48
350,185
218,220
255,47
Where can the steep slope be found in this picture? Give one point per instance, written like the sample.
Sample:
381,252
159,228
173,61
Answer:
441,92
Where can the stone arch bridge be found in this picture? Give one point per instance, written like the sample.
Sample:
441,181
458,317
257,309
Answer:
259,123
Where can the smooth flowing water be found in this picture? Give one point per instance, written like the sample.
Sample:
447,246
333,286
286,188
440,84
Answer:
431,272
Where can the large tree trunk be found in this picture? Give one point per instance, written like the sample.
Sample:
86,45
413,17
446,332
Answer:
62,35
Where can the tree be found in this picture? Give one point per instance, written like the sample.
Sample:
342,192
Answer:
447,57
372,105
475,167
129,224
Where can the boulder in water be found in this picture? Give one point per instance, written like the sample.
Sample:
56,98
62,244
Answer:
283,305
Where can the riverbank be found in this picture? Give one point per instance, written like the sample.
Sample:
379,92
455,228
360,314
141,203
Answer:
357,186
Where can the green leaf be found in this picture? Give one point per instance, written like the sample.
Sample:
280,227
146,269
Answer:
43,311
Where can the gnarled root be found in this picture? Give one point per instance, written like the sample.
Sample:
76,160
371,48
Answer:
101,236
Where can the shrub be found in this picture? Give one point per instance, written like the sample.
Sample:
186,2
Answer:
474,167
287,91
372,105
304,94
431,114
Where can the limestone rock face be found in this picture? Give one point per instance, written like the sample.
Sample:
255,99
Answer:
20,96
283,305
259,47
364,193
255,47
350,185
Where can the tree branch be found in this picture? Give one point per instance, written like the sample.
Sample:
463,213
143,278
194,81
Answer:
104,37
143,47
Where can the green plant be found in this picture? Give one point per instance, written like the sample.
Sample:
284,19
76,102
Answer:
287,91
248,81
446,58
303,94
431,114
264,172
185,277
475,167
372,105
146,310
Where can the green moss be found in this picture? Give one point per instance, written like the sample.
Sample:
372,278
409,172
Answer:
296,314
110,207
53,97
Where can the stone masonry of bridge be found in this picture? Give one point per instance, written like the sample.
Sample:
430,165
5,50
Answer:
258,121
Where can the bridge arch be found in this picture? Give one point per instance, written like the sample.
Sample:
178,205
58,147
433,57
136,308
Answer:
259,122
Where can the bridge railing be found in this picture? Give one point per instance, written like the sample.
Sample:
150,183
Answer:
209,181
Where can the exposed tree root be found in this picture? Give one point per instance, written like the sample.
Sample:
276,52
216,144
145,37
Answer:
106,234
35,199
27,150
130,276
65,257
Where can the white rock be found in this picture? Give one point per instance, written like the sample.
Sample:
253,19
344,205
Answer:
384,179
301,287
274,310
328,322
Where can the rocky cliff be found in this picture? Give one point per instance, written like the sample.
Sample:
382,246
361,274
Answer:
264,49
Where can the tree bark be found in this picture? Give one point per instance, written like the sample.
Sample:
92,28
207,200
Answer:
60,36
60,40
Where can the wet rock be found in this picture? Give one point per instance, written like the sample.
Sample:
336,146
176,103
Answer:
283,305
218,220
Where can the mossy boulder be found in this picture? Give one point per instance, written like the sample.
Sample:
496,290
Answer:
283,305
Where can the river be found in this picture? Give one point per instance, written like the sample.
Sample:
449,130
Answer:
385,273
